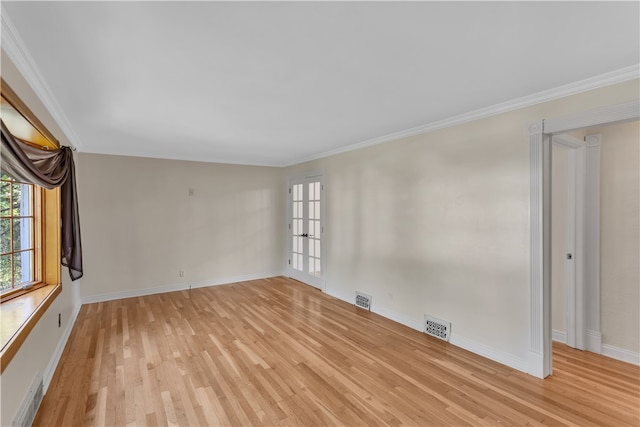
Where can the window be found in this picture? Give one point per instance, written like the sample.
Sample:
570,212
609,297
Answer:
29,214
29,236
18,238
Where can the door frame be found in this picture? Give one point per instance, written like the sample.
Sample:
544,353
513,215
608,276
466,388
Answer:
317,173
540,139
575,243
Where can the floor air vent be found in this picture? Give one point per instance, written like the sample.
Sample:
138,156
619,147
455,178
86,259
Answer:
30,405
437,328
363,301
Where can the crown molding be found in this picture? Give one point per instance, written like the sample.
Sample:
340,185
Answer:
13,45
602,80
15,48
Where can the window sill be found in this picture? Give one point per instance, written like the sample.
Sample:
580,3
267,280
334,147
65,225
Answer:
18,317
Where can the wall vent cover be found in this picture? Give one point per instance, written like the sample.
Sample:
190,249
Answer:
30,405
437,328
363,301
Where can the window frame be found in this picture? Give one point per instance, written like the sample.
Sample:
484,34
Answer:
35,236
16,322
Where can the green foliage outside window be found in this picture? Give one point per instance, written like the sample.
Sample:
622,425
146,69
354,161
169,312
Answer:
16,233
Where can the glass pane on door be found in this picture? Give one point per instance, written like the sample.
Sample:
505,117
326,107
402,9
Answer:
314,229
297,225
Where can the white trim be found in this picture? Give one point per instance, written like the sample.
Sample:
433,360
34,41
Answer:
539,360
602,80
568,141
176,287
489,352
579,156
535,365
57,353
457,340
592,234
593,341
307,176
416,324
15,48
24,62
575,301
596,117
540,357
621,354
575,325
559,336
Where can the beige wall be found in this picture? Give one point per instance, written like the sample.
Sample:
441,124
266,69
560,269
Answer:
140,226
439,224
559,194
620,236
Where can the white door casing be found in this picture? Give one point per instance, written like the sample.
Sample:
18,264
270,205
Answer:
574,251
540,133
306,228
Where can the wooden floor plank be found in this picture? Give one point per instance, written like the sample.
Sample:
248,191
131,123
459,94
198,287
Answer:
276,352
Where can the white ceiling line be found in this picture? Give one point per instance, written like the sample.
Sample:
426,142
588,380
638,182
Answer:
15,48
606,79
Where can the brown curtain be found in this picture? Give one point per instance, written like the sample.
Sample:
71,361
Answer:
49,169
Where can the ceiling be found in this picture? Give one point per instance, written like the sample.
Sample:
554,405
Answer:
276,83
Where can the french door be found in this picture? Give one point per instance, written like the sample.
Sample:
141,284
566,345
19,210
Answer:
306,229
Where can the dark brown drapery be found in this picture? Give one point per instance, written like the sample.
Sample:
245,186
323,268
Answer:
49,169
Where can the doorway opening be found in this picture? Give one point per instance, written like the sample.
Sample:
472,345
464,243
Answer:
569,253
599,310
540,143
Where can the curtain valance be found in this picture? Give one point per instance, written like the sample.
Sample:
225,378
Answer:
49,169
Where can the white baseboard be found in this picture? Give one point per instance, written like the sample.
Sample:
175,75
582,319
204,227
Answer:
535,365
594,341
559,336
176,287
457,340
55,357
418,325
489,352
621,354
594,345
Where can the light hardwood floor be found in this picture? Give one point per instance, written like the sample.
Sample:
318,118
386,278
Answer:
276,352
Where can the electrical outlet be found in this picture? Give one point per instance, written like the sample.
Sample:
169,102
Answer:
191,192
181,273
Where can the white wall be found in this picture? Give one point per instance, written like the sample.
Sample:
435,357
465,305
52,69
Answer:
620,236
439,224
140,226
559,194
